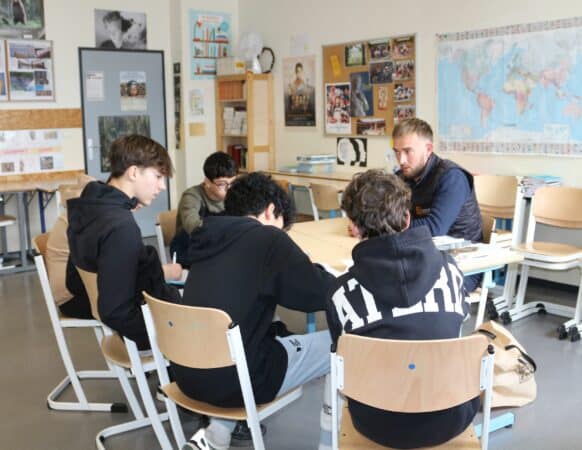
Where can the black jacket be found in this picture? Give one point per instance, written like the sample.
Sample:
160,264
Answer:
246,269
104,238
414,292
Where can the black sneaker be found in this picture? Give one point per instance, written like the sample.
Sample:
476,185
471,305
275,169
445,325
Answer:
241,436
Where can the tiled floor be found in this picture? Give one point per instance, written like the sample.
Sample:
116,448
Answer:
32,367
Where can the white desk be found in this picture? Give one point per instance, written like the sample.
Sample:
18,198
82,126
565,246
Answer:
328,242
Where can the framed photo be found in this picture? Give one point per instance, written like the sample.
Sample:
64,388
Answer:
355,54
30,70
120,29
22,19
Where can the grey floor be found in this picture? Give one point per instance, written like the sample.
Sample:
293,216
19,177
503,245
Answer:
32,367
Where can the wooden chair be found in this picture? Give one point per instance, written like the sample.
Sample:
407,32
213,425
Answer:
557,207
122,354
59,323
165,232
203,338
410,377
326,198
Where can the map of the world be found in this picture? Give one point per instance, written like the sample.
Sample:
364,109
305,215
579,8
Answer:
515,89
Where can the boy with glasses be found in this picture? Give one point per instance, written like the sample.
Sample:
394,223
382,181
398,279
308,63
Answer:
202,200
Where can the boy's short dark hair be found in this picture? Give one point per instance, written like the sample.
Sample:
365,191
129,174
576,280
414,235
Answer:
251,194
141,151
219,165
377,202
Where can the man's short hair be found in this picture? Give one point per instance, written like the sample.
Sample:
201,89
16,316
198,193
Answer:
377,202
412,126
298,66
251,194
219,165
141,151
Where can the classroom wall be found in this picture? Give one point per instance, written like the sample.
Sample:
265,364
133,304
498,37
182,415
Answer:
70,24
330,22
197,148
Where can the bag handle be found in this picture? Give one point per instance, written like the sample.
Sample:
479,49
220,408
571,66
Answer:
525,356
487,333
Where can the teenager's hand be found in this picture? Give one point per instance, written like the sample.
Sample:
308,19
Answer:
172,271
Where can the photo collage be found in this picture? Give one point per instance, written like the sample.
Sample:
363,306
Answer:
369,85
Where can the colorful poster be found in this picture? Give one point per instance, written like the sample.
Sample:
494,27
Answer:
120,29
30,151
299,88
30,70
337,117
210,38
133,94
22,19
513,90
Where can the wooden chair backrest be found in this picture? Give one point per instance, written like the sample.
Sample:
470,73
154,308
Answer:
191,336
167,221
40,243
325,197
90,282
496,195
284,184
411,376
558,206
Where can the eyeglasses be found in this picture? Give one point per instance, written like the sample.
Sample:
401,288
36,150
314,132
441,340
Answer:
224,185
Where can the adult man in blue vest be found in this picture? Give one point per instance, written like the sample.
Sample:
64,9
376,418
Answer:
443,196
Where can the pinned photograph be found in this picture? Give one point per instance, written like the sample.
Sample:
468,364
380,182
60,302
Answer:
403,112
382,98
120,29
352,152
30,70
403,48
337,116
196,103
22,19
8,167
132,86
355,55
299,88
404,70
371,127
381,72
47,163
362,100
379,49
403,92
112,127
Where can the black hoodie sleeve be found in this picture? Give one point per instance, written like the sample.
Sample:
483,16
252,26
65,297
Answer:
297,283
117,266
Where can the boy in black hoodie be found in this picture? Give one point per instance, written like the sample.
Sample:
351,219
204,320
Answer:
400,287
245,264
104,237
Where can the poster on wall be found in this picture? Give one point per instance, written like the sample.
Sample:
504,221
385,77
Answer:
22,19
30,151
362,101
30,70
337,119
120,29
299,83
95,86
3,83
196,103
112,127
210,37
132,88
352,152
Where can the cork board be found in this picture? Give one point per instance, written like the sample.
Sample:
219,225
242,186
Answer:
369,85
27,119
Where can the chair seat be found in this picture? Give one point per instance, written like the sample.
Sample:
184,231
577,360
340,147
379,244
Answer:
115,351
549,251
175,394
351,439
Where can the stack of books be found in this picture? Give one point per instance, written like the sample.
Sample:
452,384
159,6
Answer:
324,163
235,121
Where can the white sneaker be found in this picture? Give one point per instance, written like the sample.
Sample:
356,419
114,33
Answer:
200,441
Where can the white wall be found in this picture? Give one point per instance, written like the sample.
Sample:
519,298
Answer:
334,21
197,148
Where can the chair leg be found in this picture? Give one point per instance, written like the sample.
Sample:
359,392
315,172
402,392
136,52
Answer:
175,423
129,394
123,428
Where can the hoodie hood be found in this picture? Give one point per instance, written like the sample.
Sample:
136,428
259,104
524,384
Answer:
216,234
97,200
398,269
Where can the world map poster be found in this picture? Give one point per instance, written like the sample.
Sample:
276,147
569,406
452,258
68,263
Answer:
514,89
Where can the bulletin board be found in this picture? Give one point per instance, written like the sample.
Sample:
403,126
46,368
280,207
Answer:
369,85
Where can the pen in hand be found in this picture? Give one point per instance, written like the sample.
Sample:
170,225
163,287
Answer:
174,258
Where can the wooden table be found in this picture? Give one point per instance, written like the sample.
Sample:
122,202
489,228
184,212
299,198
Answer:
327,242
